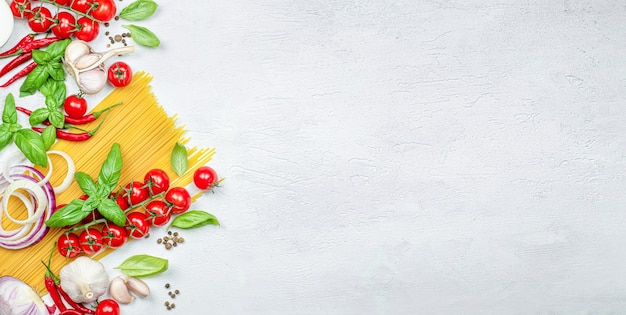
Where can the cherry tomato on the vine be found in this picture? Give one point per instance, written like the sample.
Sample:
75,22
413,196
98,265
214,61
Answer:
179,198
114,236
87,29
135,193
20,8
137,224
91,241
64,25
81,5
40,21
108,307
159,212
120,74
157,181
68,245
104,10
205,177
62,2
121,201
75,105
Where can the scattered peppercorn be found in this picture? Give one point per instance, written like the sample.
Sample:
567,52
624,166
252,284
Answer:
167,285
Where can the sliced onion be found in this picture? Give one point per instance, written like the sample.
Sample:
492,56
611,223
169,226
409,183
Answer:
71,169
65,184
35,190
21,231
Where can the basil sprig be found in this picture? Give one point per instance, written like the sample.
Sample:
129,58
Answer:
49,65
139,10
179,159
194,219
28,141
55,94
142,35
98,195
143,265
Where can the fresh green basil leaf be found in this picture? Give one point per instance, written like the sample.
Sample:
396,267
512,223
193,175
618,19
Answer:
90,204
31,144
143,265
111,168
54,89
112,211
68,214
12,128
34,81
48,135
193,219
139,10
38,116
86,183
179,159
56,118
57,49
55,70
5,136
41,57
9,114
142,36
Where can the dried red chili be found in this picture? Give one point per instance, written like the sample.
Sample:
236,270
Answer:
20,74
15,62
17,49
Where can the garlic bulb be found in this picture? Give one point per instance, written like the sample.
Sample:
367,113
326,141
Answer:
84,279
92,81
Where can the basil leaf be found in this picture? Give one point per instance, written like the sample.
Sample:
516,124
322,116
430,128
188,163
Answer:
90,204
85,183
34,81
41,57
57,49
31,144
55,90
6,136
143,265
55,70
56,118
110,170
139,10
68,215
179,159
9,115
112,211
49,135
193,219
38,116
142,36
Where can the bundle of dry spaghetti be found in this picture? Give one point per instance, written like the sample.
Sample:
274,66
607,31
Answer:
146,135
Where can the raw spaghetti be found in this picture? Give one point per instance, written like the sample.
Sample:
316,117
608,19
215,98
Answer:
146,135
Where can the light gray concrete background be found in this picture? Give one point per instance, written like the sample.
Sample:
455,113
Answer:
398,157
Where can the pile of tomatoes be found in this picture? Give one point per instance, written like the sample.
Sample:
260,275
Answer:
151,202
79,18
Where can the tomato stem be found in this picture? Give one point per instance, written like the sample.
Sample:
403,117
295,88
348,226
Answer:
68,8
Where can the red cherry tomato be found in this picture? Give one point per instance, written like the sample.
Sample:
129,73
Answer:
205,177
104,10
91,241
120,74
40,21
121,201
157,181
135,193
159,212
62,2
87,29
81,5
68,245
20,8
75,106
64,25
108,307
137,224
179,198
114,236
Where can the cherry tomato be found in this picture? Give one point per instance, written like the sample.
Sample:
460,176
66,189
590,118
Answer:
20,8
114,236
40,21
81,5
91,241
75,106
135,193
179,198
104,10
94,215
108,307
64,26
205,177
120,200
62,2
159,212
137,224
157,181
87,29
68,245
120,74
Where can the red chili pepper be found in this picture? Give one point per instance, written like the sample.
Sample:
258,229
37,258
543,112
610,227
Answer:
15,62
39,43
54,293
71,312
20,74
17,49
73,121
70,136
73,304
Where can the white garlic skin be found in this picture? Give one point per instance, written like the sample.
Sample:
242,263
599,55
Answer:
75,50
86,61
92,81
84,279
119,291
137,286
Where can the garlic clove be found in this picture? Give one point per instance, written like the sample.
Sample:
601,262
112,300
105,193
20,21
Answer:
137,286
119,291
75,50
86,61
92,81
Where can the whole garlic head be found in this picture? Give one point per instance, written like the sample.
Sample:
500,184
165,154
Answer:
84,279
